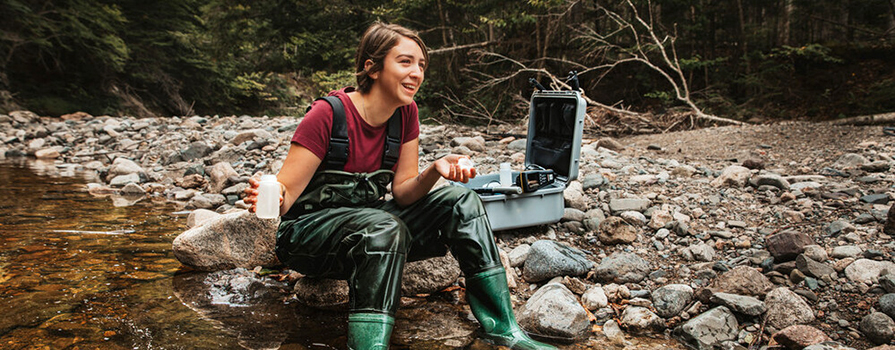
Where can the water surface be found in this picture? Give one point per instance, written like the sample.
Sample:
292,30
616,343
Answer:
83,272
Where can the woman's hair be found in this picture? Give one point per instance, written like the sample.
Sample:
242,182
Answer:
375,44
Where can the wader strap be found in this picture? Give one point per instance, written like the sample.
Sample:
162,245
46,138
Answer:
337,154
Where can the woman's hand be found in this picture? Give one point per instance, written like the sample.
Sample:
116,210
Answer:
251,193
449,169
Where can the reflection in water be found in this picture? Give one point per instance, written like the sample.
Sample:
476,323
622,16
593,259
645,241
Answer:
79,271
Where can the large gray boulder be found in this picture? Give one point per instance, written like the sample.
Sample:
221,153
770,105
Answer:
621,267
237,239
548,259
708,329
554,311
786,308
671,299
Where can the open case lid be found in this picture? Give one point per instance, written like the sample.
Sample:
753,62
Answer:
556,121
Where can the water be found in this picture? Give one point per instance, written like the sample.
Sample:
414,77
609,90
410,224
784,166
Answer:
84,272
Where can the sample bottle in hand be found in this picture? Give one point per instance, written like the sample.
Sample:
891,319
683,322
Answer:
268,203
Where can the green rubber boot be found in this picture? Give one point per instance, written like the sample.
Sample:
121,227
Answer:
369,331
489,300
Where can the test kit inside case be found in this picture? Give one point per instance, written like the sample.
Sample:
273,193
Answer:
552,153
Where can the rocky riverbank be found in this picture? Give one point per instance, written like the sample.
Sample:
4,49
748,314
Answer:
735,237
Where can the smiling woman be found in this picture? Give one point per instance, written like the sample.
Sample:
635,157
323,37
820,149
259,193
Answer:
336,223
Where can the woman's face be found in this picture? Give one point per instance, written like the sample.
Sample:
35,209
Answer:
402,72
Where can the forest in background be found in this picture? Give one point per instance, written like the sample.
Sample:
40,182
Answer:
753,60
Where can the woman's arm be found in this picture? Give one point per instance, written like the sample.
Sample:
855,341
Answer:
410,185
297,171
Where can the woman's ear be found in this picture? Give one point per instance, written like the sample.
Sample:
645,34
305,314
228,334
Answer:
368,65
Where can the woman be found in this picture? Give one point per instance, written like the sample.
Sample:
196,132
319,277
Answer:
336,225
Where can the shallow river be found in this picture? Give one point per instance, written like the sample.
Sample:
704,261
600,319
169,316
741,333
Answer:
85,272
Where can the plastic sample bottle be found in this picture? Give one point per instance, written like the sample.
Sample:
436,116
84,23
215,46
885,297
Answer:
506,175
268,204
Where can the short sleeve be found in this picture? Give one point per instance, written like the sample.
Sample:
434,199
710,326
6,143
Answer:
411,117
314,130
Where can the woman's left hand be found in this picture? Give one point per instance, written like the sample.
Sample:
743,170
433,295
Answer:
449,169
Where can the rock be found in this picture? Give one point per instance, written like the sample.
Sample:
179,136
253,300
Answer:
612,331
670,300
548,259
838,227
878,198
518,145
868,271
659,219
742,280
615,230
132,189
192,181
198,217
800,336
640,320
616,293
574,197
816,253
519,254
593,181
786,308
611,144
476,144
123,166
887,304
594,298
430,275
699,252
829,345
321,293
889,228
740,303
47,153
634,217
732,176
878,327
754,163
813,268
122,180
708,329
572,214
876,167
249,135
619,205
849,161
621,267
218,175
846,251
555,312
233,240
772,180
787,245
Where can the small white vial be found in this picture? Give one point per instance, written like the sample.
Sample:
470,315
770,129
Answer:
268,204
465,163
506,175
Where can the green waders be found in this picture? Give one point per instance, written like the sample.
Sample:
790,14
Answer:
369,244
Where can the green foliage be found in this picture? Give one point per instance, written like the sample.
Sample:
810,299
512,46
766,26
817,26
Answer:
812,53
324,82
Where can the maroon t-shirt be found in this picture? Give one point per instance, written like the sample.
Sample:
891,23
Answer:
366,142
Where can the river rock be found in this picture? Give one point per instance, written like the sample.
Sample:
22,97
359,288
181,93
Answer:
219,175
200,216
611,144
640,320
708,329
868,271
670,300
786,308
699,252
476,144
813,268
732,176
887,304
619,205
430,275
742,280
615,230
889,228
878,327
594,298
849,161
554,311
233,240
321,293
621,267
828,345
123,166
519,254
787,245
740,303
800,336
250,135
548,259
846,251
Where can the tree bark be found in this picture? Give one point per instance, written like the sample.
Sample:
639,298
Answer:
876,119
891,30
786,22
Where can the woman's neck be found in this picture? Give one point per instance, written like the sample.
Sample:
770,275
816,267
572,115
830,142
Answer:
376,108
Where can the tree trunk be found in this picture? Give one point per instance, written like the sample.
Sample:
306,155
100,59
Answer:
891,18
786,22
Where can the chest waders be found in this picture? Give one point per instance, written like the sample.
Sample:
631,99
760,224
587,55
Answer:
342,228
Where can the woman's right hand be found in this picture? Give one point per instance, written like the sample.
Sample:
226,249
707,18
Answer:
251,192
